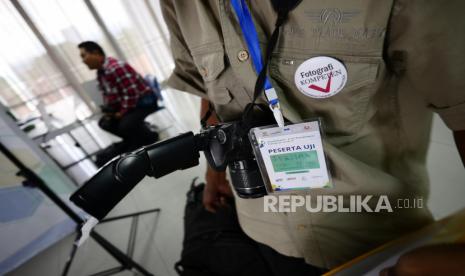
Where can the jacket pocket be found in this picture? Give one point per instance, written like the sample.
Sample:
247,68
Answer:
224,92
209,60
342,114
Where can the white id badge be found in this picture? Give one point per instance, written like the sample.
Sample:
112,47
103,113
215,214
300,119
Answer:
292,157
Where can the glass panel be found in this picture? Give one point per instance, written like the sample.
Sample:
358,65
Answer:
30,83
132,25
85,140
66,23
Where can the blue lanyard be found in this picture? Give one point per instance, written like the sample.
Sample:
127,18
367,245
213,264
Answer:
251,38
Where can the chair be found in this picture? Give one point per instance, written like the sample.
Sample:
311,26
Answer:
166,115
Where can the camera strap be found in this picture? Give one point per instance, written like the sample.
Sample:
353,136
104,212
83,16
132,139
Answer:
282,7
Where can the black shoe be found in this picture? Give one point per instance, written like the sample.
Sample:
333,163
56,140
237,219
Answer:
110,152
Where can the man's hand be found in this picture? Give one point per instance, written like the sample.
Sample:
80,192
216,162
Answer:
107,109
110,116
117,115
216,190
440,259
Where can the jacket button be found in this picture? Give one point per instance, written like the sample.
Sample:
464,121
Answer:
204,71
243,55
301,227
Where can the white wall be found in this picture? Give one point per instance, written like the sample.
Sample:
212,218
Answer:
447,173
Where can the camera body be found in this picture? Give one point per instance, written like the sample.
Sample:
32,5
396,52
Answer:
228,145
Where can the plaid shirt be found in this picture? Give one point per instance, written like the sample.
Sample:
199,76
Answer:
121,85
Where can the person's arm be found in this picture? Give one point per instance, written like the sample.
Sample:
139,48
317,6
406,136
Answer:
185,75
433,68
433,58
126,80
106,107
459,136
217,186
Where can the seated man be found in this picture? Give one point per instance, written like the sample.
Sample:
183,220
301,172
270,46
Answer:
128,98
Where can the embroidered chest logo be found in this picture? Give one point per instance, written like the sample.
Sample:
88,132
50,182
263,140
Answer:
331,16
339,24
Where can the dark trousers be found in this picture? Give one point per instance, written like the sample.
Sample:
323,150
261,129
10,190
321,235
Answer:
284,265
131,127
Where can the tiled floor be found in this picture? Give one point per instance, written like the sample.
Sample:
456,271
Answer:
159,238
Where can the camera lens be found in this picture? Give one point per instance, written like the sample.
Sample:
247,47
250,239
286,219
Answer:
246,179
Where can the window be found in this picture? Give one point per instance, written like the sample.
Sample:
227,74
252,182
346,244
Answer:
135,30
66,23
30,83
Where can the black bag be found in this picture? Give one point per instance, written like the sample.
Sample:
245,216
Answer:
214,244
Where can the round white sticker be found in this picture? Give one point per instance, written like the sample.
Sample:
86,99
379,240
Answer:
321,77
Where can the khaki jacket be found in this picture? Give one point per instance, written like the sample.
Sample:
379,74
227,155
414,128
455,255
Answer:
404,59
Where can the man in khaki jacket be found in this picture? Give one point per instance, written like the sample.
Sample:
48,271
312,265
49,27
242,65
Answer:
404,59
